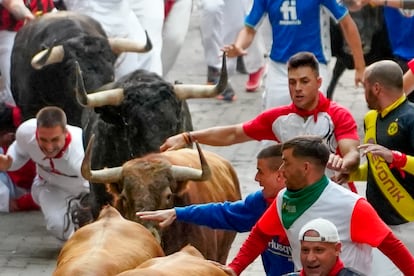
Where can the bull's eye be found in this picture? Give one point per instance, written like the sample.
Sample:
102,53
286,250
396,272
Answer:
169,198
122,204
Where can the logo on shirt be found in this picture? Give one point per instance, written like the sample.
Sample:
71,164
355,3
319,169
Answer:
278,248
288,208
392,129
288,10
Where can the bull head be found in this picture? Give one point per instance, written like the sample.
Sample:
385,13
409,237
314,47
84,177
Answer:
115,96
113,175
56,54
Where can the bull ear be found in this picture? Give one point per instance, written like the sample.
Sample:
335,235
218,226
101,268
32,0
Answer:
188,91
96,99
120,45
181,173
98,176
48,56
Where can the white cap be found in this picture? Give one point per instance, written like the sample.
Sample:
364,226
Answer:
327,231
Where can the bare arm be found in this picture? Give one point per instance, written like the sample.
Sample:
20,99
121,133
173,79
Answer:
348,162
396,159
18,9
243,41
215,136
351,35
5,162
349,151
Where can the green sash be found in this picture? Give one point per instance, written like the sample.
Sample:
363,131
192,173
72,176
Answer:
397,196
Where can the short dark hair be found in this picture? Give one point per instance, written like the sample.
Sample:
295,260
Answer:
270,151
309,146
274,153
51,116
303,59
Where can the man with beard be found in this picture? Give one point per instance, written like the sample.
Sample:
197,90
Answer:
389,148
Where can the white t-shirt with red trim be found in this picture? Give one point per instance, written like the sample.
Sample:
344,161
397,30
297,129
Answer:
64,172
331,121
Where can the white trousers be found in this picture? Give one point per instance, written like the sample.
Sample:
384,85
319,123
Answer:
128,19
382,266
6,46
6,191
276,91
53,202
174,31
150,14
221,21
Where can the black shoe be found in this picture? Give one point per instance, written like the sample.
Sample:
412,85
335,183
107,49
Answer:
228,94
213,75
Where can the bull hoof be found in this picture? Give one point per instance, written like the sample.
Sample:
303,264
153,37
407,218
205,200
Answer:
80,210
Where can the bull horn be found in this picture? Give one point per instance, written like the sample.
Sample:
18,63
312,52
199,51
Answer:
181,173
110,175
48,56
120,45
188,91
95,99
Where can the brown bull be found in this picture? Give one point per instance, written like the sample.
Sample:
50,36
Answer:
173,178
107,246
188,261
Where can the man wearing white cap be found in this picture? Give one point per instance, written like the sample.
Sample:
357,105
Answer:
320,249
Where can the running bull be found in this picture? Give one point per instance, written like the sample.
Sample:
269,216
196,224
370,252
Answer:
43,61
133,117
168,179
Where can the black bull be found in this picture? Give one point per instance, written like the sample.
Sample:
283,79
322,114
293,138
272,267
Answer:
134,116
47,59
43,62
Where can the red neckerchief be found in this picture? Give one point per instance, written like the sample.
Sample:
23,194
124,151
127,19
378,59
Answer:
68,139
334,271
167,7
323,105
16,115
